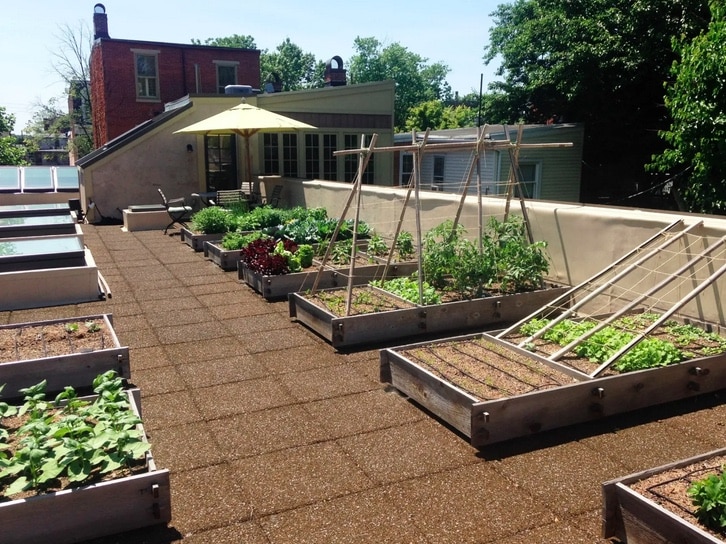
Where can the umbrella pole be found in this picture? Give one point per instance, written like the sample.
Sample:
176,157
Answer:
248,173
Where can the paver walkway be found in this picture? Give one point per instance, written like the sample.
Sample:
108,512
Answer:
272,437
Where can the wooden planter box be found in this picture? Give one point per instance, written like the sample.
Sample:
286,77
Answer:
416,321
91,511
274,287
196,240
577,399
226,259
61,369
632,517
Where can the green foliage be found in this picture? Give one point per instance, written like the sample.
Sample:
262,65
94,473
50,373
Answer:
436,115
79,441
521,266
235,40
416,81
696,139
305,253
377,246
11,153
582,61
236,240
212,220
709,497
407,288
404,245
292,67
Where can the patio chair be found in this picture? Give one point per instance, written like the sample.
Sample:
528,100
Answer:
229,198
176,209
274,199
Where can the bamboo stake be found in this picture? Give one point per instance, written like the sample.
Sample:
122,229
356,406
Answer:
417,184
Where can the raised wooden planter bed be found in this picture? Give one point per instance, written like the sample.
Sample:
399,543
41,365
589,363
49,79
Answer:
413,321
652,506
428,372
33,351
90,511
226,259
196,240
275,287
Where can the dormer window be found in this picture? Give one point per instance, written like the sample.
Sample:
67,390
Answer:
226,74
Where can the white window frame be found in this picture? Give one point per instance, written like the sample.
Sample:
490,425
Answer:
534,183
403,173
142,91
438,180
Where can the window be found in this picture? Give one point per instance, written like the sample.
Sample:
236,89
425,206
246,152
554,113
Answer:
528,177
221,162
406,169
37,178
271,164
351,161
289,155
147,79
312,156
226,75
439,163
330,161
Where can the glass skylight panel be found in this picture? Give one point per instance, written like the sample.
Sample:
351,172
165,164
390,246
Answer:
9,179
16,210
37,178
66,178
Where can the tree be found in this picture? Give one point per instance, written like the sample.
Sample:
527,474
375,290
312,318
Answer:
294,68
696,100
71,63
236,40
416,81
11,153
435,115
600,62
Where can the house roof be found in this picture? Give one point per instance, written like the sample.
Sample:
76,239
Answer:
495,132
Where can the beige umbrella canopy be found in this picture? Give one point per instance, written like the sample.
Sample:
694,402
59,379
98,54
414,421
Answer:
245,120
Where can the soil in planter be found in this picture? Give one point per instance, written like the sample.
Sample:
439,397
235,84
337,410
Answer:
486,370
36,342
365,300
669,488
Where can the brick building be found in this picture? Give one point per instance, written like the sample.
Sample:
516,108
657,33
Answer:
132,80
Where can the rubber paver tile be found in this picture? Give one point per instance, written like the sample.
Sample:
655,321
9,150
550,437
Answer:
567,476
151,357
558,532
142,290
204,350
121,306
299,359
367,517
138,276
647,445
206,289
208,498
232,311
142,338
159,296
238,533
371,368
162,317
408,451
472,504
218,371
243,326
240,398
156,381
273,340
328,382
42,314
225,297
140,263
590,523
161,411
299,476
206,279
266,431
190,332
172,306
363,412
184,447
706,422
184,270
124,323
174,257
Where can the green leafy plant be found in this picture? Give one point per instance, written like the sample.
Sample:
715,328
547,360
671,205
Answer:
404,245
236,240
407,288
70,328
305,253
377,246
212,220
92,326
79,441
709,497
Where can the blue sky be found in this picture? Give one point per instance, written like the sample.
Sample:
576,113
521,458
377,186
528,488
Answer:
453,32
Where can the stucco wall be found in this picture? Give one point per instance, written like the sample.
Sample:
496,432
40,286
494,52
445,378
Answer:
581,239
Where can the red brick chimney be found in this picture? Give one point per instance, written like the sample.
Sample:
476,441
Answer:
100,22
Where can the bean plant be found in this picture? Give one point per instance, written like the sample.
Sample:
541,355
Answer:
69,439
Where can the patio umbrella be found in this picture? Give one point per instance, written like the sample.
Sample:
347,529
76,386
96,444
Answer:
245,120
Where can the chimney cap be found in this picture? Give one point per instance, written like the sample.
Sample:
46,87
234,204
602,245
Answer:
99,8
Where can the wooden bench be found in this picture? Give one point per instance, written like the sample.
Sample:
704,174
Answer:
228,198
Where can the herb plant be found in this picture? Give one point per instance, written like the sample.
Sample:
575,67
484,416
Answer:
407,288
212,220
709,496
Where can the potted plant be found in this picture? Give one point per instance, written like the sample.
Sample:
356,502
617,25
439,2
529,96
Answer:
64,352
77,468
207,224
683,501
